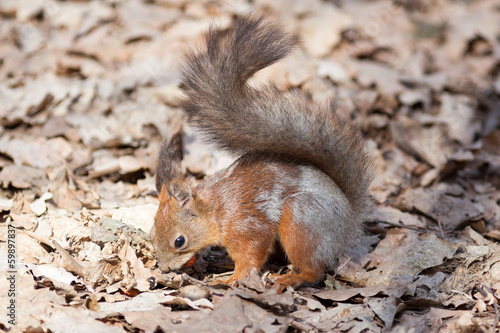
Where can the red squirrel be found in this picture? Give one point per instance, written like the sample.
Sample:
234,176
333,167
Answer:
302,175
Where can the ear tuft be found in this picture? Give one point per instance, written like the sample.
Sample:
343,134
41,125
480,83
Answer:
169,163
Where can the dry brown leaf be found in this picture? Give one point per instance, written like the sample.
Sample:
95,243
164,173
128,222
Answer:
141,274
38,153
346,294
347,317
20,176
330,19
458,112
253,281
38,206
395,216
385,78
384,308
150,320
140,217
6,204
442,204
427,143
402,255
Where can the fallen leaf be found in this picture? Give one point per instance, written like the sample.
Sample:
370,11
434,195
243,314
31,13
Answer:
411,256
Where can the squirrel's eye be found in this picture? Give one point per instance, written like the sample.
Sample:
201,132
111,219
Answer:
179,242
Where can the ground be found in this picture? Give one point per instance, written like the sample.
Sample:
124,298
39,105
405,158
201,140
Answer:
89,89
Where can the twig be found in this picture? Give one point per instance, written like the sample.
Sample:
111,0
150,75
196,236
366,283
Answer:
303,327
439,224
400,225
342,267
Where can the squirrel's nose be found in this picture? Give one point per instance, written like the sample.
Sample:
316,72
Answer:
164,267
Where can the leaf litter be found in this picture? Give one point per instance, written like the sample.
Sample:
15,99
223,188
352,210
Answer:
89,90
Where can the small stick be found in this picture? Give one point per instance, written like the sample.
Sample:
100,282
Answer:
304,327
342,267
400,225
439,224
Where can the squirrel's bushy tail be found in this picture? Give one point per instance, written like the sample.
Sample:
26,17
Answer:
241,119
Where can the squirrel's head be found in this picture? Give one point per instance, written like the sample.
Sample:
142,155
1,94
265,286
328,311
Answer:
179,233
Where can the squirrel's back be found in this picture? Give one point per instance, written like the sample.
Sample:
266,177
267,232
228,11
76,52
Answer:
241,119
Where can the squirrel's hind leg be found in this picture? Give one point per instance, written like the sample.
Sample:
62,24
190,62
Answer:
299,245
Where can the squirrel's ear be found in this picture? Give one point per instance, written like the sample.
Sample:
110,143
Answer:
163,194
181,192
168,168
177,190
